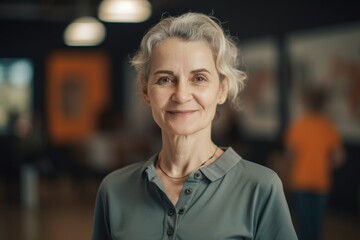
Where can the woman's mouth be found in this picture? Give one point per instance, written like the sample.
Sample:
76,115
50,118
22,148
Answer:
180,112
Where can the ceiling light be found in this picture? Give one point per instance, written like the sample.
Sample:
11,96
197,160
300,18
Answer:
124,10
84,31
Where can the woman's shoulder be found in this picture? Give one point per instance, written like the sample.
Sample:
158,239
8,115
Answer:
251,171
259,178
256,171
124,176
246,166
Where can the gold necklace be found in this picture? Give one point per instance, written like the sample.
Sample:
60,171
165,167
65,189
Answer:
177,178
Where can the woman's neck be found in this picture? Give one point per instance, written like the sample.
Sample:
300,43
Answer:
181,155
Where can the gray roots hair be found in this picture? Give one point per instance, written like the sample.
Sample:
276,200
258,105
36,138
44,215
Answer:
195,27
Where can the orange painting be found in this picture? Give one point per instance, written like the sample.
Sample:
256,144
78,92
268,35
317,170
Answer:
77,90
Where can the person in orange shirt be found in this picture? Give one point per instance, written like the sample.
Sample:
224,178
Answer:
314,148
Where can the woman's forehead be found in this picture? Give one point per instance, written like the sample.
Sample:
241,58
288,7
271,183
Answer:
176,52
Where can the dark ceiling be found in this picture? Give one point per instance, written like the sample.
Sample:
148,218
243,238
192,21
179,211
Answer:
40,23
63,10
250,16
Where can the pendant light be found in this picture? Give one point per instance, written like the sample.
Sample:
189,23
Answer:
131,11
84,31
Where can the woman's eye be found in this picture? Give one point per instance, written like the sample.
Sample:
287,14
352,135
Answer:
199,79
165,80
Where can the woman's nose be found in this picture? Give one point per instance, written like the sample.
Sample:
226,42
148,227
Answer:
182,92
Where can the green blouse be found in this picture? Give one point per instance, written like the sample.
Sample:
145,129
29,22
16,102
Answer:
230,199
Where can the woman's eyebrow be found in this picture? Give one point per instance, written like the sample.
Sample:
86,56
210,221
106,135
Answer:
172,73
164,72
200,70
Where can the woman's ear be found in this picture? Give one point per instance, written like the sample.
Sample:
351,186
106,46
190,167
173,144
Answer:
223,92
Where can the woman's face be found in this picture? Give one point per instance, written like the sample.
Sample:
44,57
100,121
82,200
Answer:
183,86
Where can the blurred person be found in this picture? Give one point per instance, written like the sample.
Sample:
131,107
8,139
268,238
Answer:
10,164
314,147
101,146
110,146
23,145
191,188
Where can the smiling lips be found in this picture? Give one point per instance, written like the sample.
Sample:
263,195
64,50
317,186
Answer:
181,112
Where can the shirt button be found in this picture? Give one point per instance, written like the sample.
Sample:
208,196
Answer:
170,232
188,191
181,211
171,212
197,175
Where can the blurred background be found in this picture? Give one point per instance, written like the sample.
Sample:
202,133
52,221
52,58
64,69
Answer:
70,111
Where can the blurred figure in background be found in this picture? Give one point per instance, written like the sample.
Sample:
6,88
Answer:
22,145
111,146
101,147
314,148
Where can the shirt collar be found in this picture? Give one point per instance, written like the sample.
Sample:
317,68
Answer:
221,166
213,172
149,167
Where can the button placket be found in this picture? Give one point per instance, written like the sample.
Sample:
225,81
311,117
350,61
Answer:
170,221
174,215
170,226
186,197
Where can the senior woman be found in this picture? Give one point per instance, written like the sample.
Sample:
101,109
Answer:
192,189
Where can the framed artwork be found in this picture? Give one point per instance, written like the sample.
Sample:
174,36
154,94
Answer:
260,114
329,58
77,90
16,92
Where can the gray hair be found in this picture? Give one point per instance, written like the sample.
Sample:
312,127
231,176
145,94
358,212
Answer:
195,27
